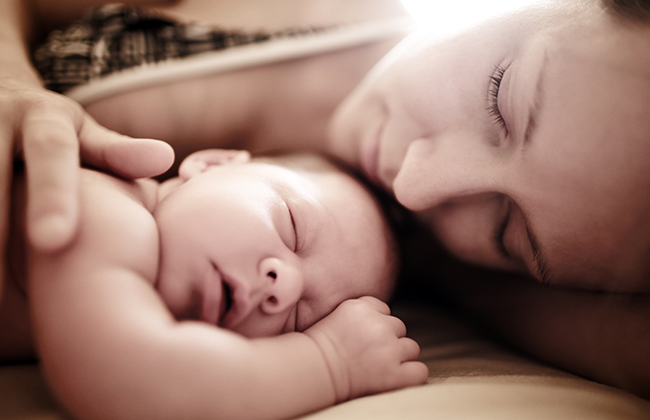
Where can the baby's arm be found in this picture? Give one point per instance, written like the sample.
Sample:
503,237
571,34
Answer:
111,349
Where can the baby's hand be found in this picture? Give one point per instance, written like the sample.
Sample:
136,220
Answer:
366,349
52,132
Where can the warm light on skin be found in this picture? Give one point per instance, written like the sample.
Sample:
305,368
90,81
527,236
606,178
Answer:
421,125
444,17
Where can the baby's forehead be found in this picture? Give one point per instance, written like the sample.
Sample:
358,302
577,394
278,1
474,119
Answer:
350,197
306,163
323,174
348,193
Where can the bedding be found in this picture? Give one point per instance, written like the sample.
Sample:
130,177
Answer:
472,376
118,48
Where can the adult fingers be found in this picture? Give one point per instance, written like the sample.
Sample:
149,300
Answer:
52,136
51,152
123,155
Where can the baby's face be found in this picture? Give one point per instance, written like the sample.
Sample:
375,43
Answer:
261,250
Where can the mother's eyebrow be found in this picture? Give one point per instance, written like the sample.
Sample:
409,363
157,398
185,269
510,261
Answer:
537,103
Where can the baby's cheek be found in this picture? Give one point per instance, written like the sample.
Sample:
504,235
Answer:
309,314
258,324
291,324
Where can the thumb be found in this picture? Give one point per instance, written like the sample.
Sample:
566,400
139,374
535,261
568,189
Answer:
123,155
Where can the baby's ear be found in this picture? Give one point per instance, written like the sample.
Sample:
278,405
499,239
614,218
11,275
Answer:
199,162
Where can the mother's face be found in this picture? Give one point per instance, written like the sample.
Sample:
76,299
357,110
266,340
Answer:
524,143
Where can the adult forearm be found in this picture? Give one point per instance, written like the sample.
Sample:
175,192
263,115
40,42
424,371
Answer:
602,336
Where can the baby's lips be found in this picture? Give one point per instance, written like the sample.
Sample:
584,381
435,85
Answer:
213,297
235,303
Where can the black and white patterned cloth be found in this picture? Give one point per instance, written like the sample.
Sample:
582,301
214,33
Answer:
115,37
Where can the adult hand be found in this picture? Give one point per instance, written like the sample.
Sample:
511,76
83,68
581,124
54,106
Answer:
51,132
49,129
366,349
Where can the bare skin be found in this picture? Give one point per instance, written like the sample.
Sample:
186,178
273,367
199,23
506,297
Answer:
530,157
107,307
52,133
285,105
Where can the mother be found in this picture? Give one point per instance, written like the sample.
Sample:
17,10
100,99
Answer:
523,143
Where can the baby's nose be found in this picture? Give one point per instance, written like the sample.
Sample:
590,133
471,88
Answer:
282,285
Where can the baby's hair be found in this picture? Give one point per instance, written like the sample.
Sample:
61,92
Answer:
395,217
636,10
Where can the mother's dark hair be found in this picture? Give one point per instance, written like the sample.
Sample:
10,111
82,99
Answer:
638,10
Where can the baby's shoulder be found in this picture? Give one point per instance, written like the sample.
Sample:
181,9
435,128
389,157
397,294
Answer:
141,191
116,224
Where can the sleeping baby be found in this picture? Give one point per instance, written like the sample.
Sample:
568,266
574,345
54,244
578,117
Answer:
244,288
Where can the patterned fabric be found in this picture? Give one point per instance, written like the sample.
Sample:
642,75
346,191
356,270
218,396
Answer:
116,37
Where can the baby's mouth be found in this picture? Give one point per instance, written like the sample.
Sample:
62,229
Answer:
217,297
226,301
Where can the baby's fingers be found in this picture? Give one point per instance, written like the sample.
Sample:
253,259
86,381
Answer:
412,373
409,349
51,152
397,326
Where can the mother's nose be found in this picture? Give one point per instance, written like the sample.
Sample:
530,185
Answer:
449,166
282,285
